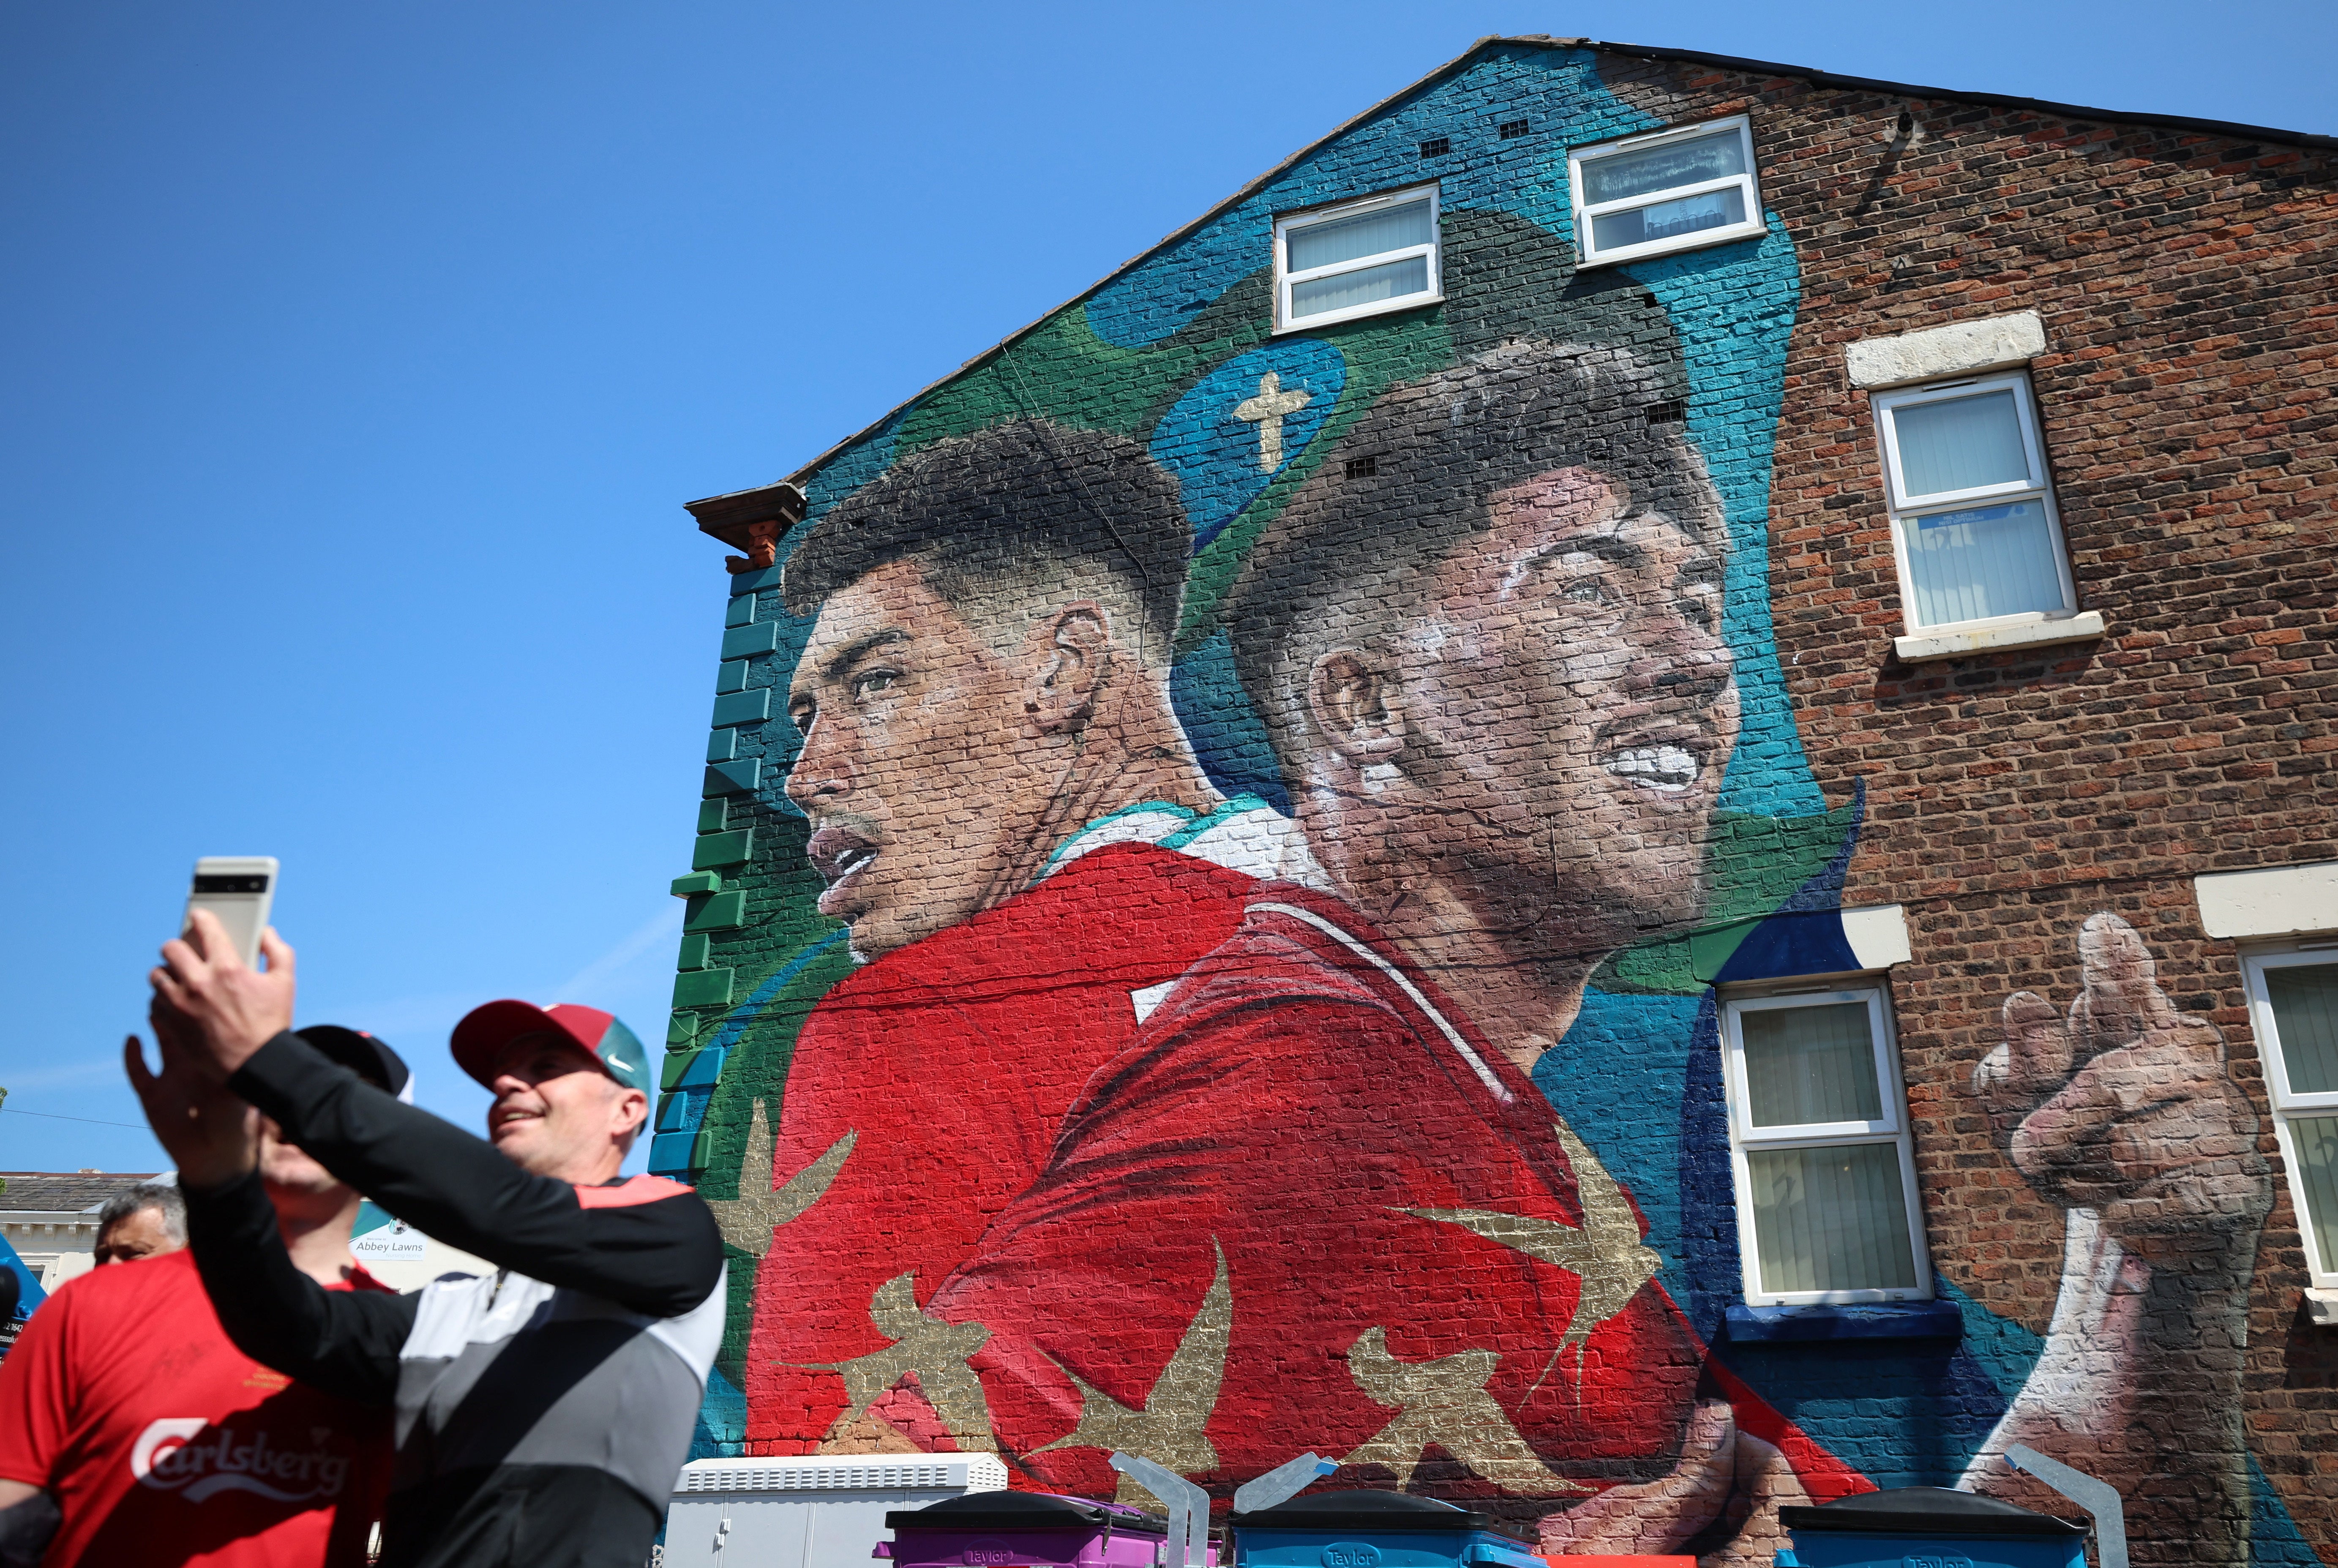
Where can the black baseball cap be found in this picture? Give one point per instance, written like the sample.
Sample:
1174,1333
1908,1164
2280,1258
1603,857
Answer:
370,1059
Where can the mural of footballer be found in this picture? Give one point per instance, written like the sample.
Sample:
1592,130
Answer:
1006,813
1309,1196
1317,1203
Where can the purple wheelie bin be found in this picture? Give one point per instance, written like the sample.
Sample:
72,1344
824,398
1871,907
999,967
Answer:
1025,1530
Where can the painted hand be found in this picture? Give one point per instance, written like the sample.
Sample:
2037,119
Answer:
2126,1106
233,1009
1656,1517
212,1135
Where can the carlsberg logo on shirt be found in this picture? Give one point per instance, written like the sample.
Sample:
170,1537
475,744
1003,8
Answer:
168,1458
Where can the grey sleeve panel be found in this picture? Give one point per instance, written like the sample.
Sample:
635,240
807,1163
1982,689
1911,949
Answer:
508,1370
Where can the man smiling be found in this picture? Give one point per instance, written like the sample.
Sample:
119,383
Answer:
1009,817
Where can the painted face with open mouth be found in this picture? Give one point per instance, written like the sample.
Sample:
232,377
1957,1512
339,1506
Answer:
840,853
910,723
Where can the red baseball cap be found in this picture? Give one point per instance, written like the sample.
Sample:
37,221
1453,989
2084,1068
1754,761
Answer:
486,1029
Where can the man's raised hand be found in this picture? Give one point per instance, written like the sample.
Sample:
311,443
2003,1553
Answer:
211,1136
2126,1106
233,1008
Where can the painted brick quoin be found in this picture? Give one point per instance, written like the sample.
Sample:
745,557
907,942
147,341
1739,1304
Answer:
1160,1080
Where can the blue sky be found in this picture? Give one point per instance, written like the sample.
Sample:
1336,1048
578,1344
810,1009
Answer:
359,359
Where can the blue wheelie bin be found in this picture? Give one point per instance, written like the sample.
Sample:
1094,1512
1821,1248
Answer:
1928,1527
1372,1530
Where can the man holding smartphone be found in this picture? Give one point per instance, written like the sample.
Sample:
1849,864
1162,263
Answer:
133,1430
546,1411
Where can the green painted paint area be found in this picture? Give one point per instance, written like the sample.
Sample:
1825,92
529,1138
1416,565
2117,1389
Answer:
695,883
1063,371
715,911
693,951
1751,865
730,849
703,988
758,1064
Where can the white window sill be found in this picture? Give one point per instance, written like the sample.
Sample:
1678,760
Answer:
1950,644
1357,313
2322,1308
1699,240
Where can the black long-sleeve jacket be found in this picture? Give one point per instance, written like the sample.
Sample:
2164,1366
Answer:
544,1412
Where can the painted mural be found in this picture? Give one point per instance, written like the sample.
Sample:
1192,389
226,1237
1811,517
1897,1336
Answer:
1221,847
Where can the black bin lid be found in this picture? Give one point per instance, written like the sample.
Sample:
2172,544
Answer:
1021,1511
1925,1511
1368,1512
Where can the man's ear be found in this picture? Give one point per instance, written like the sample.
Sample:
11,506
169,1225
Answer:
1072,660
1358,705
633,1110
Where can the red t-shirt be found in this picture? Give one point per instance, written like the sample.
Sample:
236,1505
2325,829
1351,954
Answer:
165,1445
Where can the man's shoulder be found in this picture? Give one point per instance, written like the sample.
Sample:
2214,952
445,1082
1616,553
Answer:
150,1294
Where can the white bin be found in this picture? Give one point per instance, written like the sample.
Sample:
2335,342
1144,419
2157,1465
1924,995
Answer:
818,1511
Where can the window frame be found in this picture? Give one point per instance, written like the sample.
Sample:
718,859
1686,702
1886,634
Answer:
1905,511
1755,223
1286,223
2256,960
1892,1129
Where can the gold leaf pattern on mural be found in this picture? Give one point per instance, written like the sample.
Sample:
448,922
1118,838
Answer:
933,1350
1172,1430
1444,1403
748,1221
1607,1253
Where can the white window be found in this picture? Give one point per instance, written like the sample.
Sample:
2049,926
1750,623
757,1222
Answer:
2293,1001
1826,1183
1358,259
1972,517
1673,190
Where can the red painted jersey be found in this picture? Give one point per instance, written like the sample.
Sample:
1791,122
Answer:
939,1075
165,1445
1310,1207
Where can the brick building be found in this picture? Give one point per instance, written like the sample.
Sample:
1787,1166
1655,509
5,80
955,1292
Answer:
1615,801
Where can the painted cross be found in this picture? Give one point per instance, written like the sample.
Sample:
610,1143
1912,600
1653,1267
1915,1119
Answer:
1267,411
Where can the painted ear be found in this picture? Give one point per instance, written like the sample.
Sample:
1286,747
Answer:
1358,705
1074,659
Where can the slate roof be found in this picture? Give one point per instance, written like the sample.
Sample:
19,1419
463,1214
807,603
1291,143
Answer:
63,1191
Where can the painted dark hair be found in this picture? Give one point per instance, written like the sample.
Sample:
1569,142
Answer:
1352,559
1006,504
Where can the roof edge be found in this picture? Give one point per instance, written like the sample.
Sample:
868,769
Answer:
2000,100
1542,40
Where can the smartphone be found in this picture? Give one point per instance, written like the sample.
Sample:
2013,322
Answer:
238,889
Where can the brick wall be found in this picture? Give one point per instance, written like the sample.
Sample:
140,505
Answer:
2185,281
2188,283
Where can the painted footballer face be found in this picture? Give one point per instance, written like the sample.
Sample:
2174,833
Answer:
1574,707
917,755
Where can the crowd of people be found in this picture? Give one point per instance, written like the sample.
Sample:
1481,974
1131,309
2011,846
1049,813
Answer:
284,1409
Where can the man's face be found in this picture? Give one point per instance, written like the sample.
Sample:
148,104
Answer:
286,1168
132,1237
1575,709
555,1110
918,764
